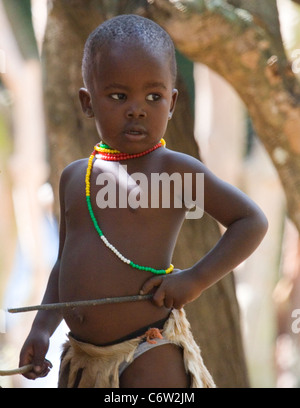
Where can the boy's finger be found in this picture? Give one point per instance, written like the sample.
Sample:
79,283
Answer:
150,284
38,364
39,361
168,302
43,370
37,369
159,298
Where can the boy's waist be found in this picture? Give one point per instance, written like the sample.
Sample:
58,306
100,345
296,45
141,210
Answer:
159,324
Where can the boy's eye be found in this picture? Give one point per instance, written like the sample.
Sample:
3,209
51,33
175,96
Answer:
118,96
153,97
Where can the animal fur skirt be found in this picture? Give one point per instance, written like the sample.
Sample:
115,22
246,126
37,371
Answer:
84,365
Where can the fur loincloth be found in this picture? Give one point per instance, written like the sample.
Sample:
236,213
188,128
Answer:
84,365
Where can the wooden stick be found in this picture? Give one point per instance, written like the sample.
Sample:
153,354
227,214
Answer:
95,302
21,370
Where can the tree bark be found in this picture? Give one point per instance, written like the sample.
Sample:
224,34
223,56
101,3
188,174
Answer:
214,316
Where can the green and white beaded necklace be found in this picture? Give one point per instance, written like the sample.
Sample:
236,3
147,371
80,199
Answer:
104,152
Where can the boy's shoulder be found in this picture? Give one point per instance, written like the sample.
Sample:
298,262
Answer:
75,168
182,161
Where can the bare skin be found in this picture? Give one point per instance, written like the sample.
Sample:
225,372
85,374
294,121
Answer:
131,108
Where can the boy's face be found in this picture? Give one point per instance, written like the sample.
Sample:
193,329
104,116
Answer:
131,97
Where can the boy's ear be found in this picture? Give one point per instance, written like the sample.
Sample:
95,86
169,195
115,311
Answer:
173,102
86,102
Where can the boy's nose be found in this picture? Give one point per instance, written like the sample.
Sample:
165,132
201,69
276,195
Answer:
136,111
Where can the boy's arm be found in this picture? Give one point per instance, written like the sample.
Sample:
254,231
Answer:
46,321
245,226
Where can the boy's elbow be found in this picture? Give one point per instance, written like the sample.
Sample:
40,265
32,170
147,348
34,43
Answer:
262,224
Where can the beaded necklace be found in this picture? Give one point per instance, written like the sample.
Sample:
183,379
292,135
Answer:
104,152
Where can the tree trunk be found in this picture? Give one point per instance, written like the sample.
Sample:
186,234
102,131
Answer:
214,316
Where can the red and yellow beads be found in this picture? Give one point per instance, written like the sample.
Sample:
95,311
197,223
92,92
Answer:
104,152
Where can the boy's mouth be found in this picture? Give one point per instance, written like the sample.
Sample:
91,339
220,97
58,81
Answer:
135,132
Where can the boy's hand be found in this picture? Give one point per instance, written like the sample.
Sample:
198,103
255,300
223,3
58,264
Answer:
173,290
33,352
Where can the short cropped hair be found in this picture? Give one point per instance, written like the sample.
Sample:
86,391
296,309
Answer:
127,29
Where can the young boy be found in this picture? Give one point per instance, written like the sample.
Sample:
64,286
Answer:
109,248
